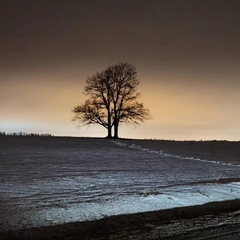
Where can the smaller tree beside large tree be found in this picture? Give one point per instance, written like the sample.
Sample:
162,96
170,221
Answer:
112,99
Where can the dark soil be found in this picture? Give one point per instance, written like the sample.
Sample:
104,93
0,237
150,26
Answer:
218,220
222,151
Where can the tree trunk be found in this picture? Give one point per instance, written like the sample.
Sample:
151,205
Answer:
109,132
109,125
116,130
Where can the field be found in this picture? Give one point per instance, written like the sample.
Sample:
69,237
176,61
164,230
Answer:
47,181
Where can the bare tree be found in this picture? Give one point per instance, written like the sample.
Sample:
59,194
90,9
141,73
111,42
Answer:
112,99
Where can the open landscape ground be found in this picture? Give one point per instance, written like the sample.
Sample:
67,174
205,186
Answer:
50,181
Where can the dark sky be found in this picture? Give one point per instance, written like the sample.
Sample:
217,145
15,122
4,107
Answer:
187,54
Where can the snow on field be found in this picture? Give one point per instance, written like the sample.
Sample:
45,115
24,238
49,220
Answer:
58,180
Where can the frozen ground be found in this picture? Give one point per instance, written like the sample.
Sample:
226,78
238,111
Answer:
47,181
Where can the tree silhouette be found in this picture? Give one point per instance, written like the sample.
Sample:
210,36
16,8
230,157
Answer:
112,99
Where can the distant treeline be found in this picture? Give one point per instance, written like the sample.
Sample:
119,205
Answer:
23,134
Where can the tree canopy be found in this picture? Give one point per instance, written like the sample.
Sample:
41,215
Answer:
112,99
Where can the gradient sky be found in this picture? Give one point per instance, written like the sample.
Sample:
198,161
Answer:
187,54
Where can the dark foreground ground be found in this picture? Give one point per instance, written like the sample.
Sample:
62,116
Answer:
219,220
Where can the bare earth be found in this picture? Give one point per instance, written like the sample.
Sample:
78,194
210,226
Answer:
218,220
223,151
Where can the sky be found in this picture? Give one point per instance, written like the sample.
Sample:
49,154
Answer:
186,52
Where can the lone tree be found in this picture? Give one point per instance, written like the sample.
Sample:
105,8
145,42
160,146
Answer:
112,99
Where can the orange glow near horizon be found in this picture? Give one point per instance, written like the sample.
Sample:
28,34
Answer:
179,111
